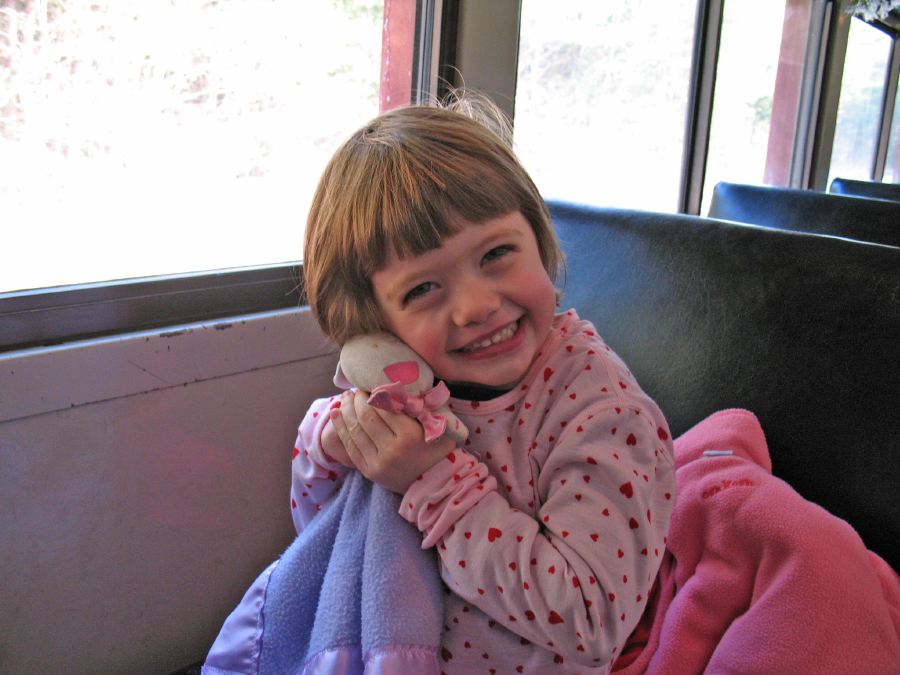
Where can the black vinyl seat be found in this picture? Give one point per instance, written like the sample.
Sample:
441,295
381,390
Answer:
865,188
874,220
801,329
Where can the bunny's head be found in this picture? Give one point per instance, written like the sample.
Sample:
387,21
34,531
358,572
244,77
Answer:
398,380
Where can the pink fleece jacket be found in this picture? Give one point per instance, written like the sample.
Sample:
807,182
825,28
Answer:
757,579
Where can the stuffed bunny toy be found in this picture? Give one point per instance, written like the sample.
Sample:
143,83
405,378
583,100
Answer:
399,381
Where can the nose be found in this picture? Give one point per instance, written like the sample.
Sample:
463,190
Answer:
473,303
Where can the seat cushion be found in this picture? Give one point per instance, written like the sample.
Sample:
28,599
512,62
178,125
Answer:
801,329
874,220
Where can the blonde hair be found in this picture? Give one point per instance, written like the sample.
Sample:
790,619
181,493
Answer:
403,183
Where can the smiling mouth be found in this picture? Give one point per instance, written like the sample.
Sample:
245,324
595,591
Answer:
501,335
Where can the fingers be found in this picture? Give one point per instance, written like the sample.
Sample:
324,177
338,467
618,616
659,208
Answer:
361,429
347,432
333,447
388,448
344,436
374,421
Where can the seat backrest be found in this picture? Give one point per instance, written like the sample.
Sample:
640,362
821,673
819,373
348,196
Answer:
801,329
865,188
808,211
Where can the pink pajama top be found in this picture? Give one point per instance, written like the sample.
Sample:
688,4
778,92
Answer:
550,521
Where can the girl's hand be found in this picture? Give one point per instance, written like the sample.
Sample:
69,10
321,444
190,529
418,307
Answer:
387,448
333,447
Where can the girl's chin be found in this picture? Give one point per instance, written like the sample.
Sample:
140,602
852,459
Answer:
505,378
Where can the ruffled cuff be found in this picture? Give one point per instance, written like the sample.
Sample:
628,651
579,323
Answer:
444,493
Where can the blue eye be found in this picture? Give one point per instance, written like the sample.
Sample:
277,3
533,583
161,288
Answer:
419,291
497,252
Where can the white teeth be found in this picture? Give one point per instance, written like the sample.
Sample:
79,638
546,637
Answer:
499,336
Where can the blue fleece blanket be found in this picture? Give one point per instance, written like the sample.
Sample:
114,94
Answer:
353,593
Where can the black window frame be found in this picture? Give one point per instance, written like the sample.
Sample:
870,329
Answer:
52,316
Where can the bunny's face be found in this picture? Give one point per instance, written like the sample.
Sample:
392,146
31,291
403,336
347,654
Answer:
368,361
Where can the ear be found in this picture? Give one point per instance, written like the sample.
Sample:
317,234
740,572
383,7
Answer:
404,372
340,380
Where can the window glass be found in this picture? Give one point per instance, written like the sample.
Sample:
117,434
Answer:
892,163
762,43
142,137
859,109
601,99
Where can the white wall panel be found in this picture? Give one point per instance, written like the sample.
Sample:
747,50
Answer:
130,527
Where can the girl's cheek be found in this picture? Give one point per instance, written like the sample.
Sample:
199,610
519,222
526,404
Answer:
430,346
430,350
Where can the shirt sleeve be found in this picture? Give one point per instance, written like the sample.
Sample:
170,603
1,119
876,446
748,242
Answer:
575,577
315,477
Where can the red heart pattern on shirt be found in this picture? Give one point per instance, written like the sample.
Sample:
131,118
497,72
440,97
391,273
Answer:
555,618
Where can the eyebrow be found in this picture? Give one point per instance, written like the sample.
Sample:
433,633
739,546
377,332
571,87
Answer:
398,288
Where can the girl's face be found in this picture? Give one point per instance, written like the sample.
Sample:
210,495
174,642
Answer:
476,309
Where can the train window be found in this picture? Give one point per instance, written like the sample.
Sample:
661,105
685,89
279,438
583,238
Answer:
146,138
145,142
859,108
892,164
601,99
756,98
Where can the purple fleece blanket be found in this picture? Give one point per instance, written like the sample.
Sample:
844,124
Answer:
354,593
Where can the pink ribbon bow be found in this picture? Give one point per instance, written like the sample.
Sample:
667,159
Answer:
394,398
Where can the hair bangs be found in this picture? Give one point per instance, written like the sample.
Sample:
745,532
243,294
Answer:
424,198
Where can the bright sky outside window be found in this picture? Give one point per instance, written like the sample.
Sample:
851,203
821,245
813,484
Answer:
859,109
745,87
140,138
601,99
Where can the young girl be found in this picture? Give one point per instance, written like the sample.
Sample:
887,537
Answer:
550,522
